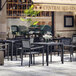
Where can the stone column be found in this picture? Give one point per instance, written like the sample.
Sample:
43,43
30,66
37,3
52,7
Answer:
3,22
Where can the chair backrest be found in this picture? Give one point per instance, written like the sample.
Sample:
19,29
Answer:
19,37
26,43
42,39
74,39
66,41
31,40
36,39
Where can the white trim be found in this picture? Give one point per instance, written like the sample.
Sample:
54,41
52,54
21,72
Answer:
56,1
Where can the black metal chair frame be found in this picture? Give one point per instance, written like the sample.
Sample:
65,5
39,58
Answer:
74,42
31,51
67,43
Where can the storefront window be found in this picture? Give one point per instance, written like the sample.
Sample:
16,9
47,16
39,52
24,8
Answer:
68,21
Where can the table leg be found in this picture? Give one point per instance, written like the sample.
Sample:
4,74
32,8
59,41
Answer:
62,55
12,53
43,57
8,51
71,54
51,54
45,47
47,55
21,57
31,58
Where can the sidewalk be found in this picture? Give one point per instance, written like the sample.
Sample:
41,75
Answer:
13,68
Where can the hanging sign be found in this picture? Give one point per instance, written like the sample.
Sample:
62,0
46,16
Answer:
54,7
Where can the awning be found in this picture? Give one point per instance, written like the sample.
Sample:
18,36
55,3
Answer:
55,5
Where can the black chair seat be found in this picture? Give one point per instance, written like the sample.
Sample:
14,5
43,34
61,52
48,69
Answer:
74,46
68,45
28,53
2,49
38,47
56,50
33,47
19,48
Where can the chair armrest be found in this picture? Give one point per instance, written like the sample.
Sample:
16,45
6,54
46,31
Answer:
68,45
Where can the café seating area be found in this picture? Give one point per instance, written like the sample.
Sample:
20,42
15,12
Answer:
38,55
21,47
37,37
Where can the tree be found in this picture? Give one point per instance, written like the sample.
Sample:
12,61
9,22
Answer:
29,13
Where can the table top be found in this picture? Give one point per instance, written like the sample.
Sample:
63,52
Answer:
48,43
51,43
8,41
3,45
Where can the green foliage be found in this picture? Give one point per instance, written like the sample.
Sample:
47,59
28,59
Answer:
35,22
22,19
29,13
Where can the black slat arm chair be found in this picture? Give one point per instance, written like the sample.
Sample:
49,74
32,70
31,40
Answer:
74,39
28,49
74,42
67,46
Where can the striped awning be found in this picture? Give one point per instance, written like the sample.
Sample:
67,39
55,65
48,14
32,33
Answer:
55,5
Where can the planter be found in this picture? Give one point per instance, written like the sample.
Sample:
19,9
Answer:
1,57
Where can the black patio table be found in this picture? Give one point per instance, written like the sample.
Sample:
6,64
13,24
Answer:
48,44
12,44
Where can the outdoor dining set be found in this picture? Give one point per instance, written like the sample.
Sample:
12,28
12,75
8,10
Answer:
21,46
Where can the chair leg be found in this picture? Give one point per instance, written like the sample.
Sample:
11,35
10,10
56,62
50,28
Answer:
71,54
51,55
16,54
25,55
21,58
43,57
29,59
33,59
58,53
54,53
8,51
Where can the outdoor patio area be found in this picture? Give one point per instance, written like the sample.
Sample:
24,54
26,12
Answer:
37,37
56,68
